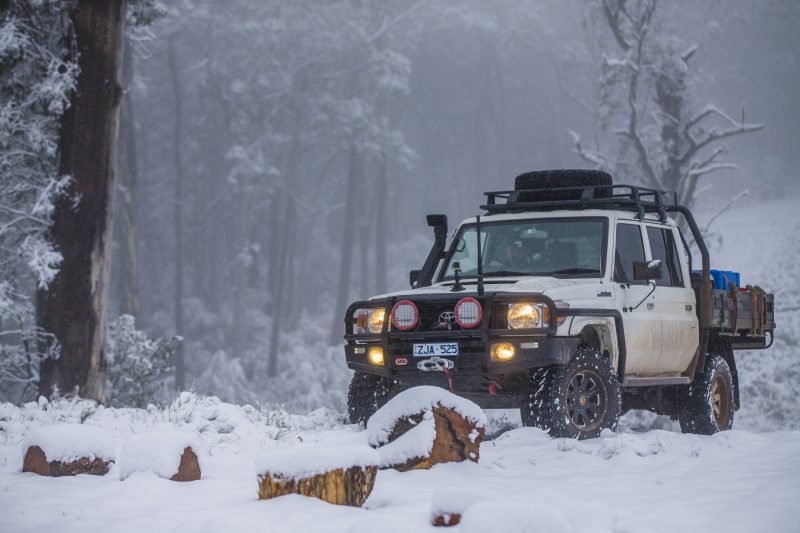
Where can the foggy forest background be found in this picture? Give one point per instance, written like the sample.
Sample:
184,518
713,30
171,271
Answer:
276,159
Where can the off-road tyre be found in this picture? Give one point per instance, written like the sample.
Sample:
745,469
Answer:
367,394
550,179
706,406
577,400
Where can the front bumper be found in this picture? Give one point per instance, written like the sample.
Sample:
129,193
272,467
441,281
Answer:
473,369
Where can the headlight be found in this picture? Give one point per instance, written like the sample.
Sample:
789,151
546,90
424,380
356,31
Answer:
524,316
368,320
376,318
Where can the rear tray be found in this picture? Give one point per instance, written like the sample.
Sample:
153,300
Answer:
746,314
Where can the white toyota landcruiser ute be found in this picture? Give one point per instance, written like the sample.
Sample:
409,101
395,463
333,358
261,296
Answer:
572,299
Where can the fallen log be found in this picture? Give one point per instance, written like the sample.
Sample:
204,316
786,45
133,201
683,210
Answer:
424,426
170,454
342,475
67,450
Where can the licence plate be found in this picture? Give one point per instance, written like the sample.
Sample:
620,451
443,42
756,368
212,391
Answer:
429,349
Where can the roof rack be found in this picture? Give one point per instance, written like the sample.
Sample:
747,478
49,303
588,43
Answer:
641,200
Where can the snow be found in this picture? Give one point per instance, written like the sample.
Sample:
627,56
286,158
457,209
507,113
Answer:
622,482
158,452
414,401
415,443
69,442
303,462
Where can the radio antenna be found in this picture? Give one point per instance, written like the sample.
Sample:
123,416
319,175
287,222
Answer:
480,258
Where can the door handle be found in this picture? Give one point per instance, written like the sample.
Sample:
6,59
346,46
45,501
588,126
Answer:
688,307
651,305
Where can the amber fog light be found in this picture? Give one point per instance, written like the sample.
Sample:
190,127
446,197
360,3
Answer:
375,355
503,351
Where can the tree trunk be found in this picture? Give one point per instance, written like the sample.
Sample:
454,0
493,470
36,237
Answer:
348,234
74,306
277,284
127,272
180,371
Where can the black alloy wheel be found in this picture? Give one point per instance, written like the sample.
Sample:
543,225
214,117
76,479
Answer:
577,400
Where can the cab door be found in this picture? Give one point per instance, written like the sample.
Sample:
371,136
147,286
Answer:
636,302
674,300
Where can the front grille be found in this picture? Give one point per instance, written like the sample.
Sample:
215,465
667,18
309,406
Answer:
439,315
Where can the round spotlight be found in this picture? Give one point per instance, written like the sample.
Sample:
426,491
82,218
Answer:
468,313
405,315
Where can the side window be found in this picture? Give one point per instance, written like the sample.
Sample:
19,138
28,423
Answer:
658,249
675,262
630,248
662,246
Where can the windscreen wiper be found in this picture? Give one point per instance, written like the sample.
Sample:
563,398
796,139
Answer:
570,271
506,273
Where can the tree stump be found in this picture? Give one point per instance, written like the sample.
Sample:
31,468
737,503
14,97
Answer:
168,453
337,475
36,461
446,520
424,426
67,450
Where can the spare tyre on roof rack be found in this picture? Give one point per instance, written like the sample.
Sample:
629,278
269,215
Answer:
538,185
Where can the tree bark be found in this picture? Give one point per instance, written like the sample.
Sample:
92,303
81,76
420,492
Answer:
74,306
342,486
180,370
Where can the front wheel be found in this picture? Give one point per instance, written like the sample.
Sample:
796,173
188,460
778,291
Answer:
577,400
707,404
367,394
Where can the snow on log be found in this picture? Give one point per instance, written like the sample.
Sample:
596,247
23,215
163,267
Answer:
342,475
424,426
169,454
67,450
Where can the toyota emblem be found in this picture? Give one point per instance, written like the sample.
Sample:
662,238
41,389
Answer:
447,317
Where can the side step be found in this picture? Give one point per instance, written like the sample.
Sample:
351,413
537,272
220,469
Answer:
655,382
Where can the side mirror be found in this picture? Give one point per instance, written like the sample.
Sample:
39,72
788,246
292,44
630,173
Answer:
413,276
647,270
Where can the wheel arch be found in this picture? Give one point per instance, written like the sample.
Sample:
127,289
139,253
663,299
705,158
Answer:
599,333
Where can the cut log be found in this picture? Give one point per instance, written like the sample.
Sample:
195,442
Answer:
67,450
189,469
36,461
424,426
168,453
337,475
446,520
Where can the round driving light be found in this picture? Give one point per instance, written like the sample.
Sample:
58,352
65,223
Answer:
522,316
375,355
376,318
468,312
503,351
404,315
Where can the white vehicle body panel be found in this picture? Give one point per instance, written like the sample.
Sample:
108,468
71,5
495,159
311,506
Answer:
661,334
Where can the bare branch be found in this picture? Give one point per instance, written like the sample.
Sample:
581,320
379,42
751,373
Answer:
599,160
724,208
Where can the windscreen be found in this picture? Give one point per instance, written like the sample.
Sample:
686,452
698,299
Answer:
558,247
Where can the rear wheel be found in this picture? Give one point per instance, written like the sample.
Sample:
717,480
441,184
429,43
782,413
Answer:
707,404
577,400
367,394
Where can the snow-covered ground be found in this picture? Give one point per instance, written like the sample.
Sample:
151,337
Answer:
638,479
525,481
